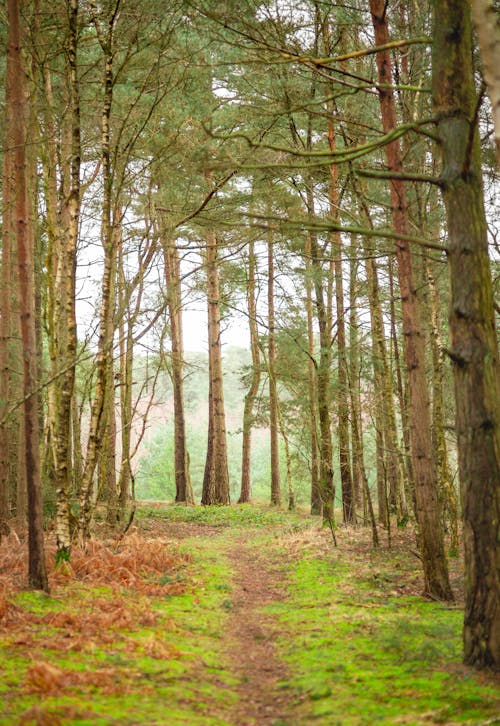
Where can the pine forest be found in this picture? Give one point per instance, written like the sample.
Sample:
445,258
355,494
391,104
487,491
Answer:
249,362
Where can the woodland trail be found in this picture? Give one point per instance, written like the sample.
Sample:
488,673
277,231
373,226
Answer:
251,633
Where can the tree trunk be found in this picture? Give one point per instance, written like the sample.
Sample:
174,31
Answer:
445,482
216,477
183,488
63,227
428,515
8,240
25,252
316,505
342,396
474,344
252,392
326,485
273,391
358,464
105,340
408,484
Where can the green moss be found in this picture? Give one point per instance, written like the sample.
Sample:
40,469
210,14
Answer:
237,515
366,662
188,679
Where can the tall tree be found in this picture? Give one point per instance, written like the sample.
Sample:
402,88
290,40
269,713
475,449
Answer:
63,215
428,517
474,347
253,390
105,23
25,257
273,389
183,487
216,476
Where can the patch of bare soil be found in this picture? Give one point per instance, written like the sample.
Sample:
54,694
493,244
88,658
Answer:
251,635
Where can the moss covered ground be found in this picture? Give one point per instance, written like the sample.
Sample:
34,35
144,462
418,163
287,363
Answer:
135,631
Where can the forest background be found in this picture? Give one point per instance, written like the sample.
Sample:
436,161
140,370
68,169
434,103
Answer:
328,174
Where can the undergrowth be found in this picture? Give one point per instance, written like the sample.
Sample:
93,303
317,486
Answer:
121,639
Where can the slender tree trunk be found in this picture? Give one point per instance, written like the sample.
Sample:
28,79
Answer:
216,477
445,483
8,241
63,224
326,485
126,417
429,521
316,504
183,488
474,344
358,464
105,341
387,461
288,459
273,391
342,396
255,382
25,253
402,397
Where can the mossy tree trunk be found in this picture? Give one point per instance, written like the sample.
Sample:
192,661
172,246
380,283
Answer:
474,347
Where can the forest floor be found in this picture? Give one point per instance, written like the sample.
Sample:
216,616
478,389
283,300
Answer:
234,616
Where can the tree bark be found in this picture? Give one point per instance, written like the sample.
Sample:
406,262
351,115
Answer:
25,253
252,392
216,477
63,214
273,391
428,516
316,504
183,488
106,315
474,347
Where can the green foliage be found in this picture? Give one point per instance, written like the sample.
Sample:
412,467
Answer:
155,475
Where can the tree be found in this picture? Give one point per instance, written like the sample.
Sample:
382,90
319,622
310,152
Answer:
430,532
273,389
253,390
183,488
474,347
216,477
25,259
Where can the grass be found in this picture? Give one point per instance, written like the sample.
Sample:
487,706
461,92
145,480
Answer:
169,671
366,659
238,515
361,645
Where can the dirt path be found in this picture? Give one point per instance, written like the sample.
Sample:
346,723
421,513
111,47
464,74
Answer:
251,636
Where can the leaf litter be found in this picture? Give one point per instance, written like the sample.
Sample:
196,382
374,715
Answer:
98,599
